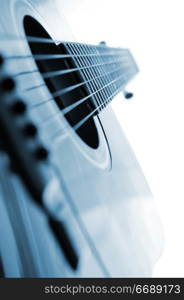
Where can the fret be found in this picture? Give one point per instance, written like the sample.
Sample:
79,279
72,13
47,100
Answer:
111,76
93,72
81,61
104,70
101,81
107,69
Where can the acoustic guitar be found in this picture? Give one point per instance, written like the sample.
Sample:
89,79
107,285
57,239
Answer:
73,199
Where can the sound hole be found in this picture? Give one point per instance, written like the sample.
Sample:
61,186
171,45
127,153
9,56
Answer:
88,131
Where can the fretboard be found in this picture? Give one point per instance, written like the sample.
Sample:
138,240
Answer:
105,70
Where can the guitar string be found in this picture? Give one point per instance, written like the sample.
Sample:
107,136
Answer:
66,90
90,72
84,120
34,39
57,73
81,122
73,105
58,56
58,134
51,74
72,87
114,50
62,91
44,84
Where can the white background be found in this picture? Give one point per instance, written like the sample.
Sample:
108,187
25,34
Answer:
153,121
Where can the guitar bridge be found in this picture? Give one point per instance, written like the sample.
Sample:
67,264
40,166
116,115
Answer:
19,138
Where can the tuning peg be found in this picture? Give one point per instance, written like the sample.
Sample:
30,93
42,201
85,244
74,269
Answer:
30,130
18,107
7,84
103,43
41,153
128,95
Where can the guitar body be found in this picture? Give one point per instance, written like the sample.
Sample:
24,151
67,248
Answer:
105,202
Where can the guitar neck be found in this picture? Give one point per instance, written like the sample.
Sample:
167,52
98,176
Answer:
105,70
